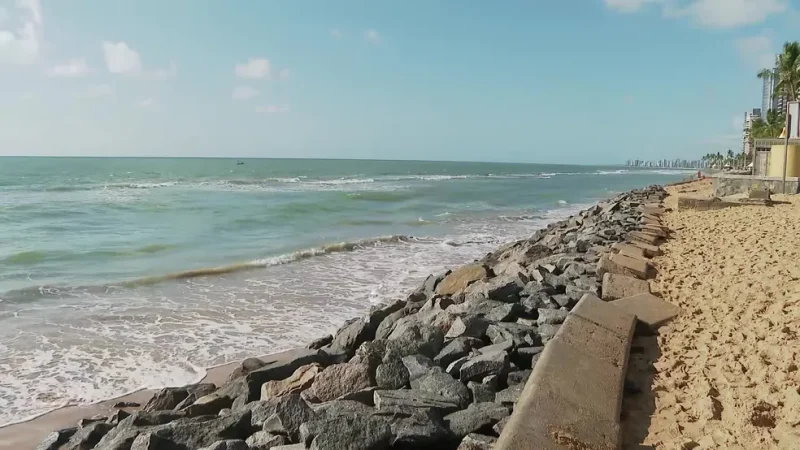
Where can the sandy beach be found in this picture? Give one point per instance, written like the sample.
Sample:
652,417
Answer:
724,374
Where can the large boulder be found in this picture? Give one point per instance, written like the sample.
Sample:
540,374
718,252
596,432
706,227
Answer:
409,401
495,363
467,326
300,380
417,365
439,383
291,411
87,437
56,439
457,348
391,374
476,441
228,444
339,380
503,289
459,279
476,418
350,433
263,440
415,338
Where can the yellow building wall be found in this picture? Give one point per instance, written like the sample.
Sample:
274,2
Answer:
775,168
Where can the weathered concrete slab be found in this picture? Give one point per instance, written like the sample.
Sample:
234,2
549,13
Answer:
630,250
649,309
619,286
624,265
653,229
645,237
651,217
649,250
600,342
605,315
650,221
760,192
652,209
704,204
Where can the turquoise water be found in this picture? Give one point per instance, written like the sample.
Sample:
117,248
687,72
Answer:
123,273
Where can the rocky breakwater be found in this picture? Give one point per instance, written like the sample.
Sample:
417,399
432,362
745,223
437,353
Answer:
440,369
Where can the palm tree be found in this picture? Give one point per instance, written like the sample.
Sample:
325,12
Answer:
770,128
788,72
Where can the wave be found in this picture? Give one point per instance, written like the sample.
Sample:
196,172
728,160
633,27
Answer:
34,292
36,256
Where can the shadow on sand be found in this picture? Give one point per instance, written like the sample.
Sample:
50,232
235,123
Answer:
638,404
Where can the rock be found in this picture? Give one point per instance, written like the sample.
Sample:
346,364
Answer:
457,348
547,332
454,368
166,398
477,442
559,282
577,269
300,380
387,325
495,363
551,316
507,312
262,440
291,411
87,437
56,439
417,365
370,353
474,306
423,429
126,405
481,392
499,347
462,277
433,313
411,400
352,334
518,377
477,417
430,284
391,375
563,301
469,326
118,416
439,383
414,338
321,342
339,408
228,444
208,404
510,395
364,396
347,433
247,366
334,355
503,289
338,380
499,426
151,441
521,335
619,286
198,432
526,357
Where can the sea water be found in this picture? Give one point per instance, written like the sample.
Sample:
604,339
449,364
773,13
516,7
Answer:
123,273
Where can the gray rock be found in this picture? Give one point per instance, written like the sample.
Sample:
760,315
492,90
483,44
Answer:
262,440
510,395
118,416
483,365
457,348
477,417
387,325
334,355
521,335
338,408
423,429
534,287
347,433
338,380
578,269
417,366
526,357
481,392
547,332
454,368
291,411
261,410
467,326
518,377
228,444
414,338
499,347
151,441
166,398
321,342
87,437
497,334
507,312
56,439
492,381
477,442
551,316
559,282
441,384
208,404
474,306
370,353
391,375
198,432
411,400
504,288
563,300
352,334
499,426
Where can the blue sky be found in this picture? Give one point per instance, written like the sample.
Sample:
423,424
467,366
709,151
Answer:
578,81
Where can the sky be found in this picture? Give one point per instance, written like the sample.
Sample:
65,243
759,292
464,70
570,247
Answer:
576,81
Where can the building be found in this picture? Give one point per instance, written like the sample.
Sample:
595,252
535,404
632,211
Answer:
749,117
769,101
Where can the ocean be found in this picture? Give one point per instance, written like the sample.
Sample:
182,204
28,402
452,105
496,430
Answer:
124,273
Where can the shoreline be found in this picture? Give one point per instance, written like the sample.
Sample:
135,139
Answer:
32,431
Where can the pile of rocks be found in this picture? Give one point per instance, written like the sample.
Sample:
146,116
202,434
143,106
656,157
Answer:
441,369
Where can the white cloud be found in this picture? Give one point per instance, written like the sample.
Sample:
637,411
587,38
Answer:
627,6
21,45
244,92
145,103
121,59
96,91
756,51
254,68
373,36
73,68
272,109
337,33
284,74
709,13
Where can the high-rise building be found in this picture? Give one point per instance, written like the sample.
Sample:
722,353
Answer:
768,98
749,117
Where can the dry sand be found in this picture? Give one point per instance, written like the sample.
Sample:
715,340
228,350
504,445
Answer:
724,374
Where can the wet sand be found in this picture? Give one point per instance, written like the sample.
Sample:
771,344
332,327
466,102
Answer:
724,374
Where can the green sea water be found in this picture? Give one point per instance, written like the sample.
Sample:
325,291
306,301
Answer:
121,273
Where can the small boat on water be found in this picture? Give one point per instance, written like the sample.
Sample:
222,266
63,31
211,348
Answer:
239,163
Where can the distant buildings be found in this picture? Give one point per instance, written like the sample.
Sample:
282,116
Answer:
768,98
749,117
667,164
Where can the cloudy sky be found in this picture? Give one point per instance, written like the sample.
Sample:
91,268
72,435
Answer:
578,81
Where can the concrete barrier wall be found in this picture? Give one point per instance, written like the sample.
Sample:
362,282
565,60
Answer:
725,185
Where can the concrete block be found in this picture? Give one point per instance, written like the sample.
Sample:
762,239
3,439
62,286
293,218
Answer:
595,340
704,204
649,309
542,421
605,315
653,229
619,286
651,217
650,221
649,250
647,238
624,248
624,265
760,192
655,210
